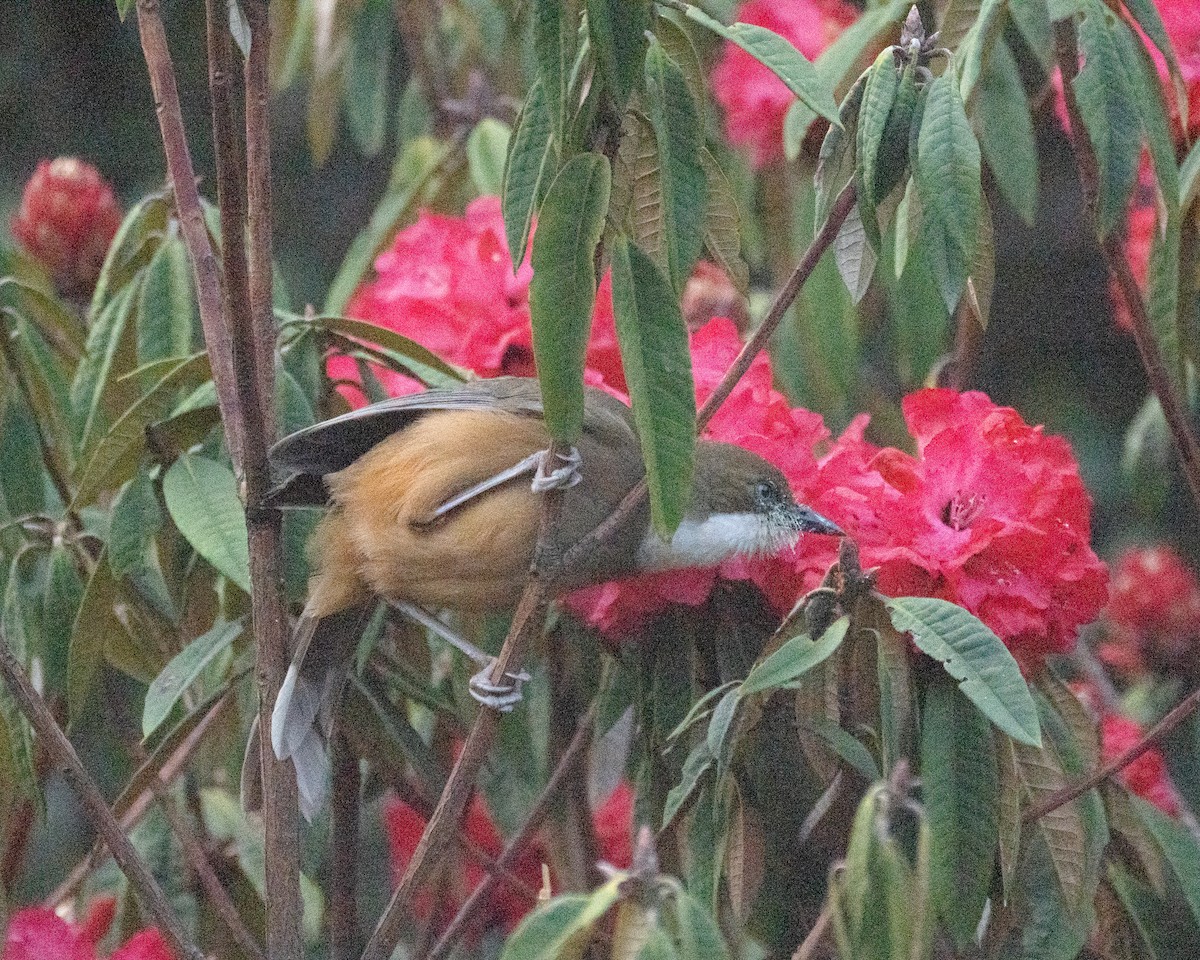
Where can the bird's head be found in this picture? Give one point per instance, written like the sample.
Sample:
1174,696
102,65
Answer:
741,505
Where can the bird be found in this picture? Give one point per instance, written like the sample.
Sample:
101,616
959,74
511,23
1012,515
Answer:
430,506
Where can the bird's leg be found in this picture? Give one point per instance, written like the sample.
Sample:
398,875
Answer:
501,696
549,477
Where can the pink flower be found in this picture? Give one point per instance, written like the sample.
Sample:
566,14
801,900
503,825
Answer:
756,101
35,933
1153,614
67,219
1147,775
448,283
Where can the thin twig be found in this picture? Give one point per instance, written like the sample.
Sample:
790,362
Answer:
1160,382
345,940
132,865
519,842
807,950
440,829
198,861
191,217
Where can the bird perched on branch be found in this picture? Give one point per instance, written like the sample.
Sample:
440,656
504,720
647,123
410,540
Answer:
432,506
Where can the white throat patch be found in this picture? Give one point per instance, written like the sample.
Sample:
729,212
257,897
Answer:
705,543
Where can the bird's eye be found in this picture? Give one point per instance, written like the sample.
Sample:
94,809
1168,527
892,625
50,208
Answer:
766,491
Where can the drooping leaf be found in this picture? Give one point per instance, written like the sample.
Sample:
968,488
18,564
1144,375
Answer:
699,935
837,160
697,764
43,310
844,745
415,360
981,281
182,671
366,74
1032,20
202,498
554,52
115,456
855,256
679,138
1011,789
1180,849
617,30
1147,16
563,289
947,176
98,389
879,95
961,793
1006,132
795,658
555,926
744,856
654,354
136,520
778,56
528,170
1105,91
95,621
1132,842
63,598
487,149
987,673
131,249
722,224
636,206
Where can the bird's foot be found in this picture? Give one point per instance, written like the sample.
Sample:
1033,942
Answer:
549,477
501,696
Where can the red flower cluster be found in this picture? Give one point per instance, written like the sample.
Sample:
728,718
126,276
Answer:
756,101
1153,614
448,283
613,822
67,219
1147,775
39,934
990,512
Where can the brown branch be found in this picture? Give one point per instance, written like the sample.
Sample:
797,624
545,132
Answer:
344,938
519,841
64,757
198,861
1173,409
191,217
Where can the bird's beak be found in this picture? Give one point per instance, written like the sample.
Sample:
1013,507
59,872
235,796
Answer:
809,521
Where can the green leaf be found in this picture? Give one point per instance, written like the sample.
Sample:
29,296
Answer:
883,85
658,368
1105,90
58,326
115,457
412,358
947,176
1132,842
202,498
987,673
1008,811
854,254
698,933
366,74
166,310
722,224
1189,178
1147,17
794,659
528,171
94,623
554,927
1032,20
63,598
658,946
487,148
563,289
680,141
182,671
414,181
123,8
981,282
617,30
136,520
836,163
131,249
1180,849
844,744
778,56
111,353
961,791
1006,132
553,49
697,764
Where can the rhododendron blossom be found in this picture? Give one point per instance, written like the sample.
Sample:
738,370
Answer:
756,101
1153,613
1147,775
448,283
36,933
505,907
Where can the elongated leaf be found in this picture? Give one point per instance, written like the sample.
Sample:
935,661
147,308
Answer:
1006,132
417,361
563,288
553,49
1180,849
182,671
845,745
115,456
43,310
697,764
528,171
679,137
947,175
722,224
1032,20
699,935
673,34
982,279
130,250
1189,178
778,56
1147,17
962,793
547,932
1105,91
654,354
98,389
617,29
855,256
94,623
366,74
1011,790
795,658
637,196
136,520
987,673
1133,843
63,598
883,84
202,499
487,149
166,318
836,162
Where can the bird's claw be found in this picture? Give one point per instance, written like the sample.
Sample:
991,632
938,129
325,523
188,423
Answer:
502,696
557,478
